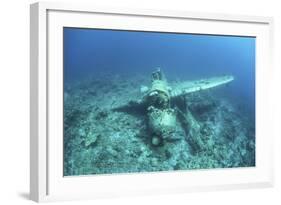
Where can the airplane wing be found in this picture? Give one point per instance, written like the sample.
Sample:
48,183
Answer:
183,88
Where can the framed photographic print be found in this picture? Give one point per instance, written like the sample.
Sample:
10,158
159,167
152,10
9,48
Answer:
127,102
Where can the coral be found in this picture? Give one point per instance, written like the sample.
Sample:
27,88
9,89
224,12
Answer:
98,140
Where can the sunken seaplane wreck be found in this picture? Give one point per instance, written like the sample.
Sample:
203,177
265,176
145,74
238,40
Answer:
160,103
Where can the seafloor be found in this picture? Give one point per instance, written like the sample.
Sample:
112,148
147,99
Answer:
99,140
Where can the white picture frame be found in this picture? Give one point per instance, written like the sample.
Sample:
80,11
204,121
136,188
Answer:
46,179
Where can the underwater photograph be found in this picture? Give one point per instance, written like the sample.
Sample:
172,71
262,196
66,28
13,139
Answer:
143,101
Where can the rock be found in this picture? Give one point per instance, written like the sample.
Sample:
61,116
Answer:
112,151
91,138
155,141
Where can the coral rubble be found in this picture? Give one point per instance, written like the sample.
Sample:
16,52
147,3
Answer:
100,140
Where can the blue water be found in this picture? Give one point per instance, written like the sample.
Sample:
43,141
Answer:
184,56
91,52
